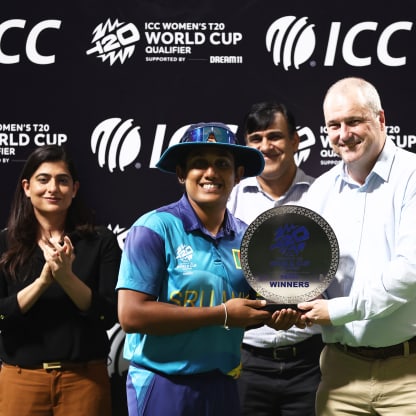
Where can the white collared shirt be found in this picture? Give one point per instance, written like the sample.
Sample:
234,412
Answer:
247,201
373,298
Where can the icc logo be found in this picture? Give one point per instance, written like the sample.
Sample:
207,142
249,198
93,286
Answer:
116,143
292,42
283,30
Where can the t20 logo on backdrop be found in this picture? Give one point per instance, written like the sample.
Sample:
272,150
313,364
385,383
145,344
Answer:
292,42
114,41
8,31
306,142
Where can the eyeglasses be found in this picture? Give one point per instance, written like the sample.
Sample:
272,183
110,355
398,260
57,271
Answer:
209,134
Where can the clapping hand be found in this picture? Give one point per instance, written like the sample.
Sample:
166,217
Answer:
59,256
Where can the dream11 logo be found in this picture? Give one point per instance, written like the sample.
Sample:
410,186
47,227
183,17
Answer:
292,42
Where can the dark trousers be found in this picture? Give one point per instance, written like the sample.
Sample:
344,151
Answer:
281,387
206,394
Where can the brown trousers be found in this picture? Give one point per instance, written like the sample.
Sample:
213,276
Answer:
83,391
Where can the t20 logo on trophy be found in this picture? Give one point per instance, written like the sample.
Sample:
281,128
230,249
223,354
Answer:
289,254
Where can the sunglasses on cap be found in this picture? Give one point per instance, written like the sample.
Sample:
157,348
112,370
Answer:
209,134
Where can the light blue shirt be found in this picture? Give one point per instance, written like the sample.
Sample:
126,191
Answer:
169,254
247,201
373,298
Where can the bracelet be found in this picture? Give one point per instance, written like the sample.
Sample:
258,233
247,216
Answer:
226,317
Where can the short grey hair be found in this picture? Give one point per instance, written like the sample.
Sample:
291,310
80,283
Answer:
368,91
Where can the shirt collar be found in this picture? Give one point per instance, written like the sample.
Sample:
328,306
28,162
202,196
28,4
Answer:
251,184
384,162
381,168
301,178
191,222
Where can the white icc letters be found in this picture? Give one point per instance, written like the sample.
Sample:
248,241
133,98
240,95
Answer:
347,47
31,43
382,46
351,36
14,23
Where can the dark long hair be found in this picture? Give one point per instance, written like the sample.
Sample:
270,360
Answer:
22,225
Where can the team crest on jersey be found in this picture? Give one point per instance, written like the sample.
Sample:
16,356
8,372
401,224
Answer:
184,256
236,257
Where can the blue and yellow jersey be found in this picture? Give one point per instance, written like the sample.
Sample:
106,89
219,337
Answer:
169,254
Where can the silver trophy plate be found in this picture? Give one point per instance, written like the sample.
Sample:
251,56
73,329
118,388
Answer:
289,254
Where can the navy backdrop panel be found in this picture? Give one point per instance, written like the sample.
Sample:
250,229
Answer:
118,81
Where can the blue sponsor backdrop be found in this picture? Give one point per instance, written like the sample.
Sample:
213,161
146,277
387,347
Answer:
117,81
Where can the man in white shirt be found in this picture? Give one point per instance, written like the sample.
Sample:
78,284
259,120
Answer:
280,368
368,321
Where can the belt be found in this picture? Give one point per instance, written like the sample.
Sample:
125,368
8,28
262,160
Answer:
381,353
289,351
59,365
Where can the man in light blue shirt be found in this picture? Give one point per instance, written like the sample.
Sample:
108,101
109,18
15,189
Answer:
368,320
280,372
